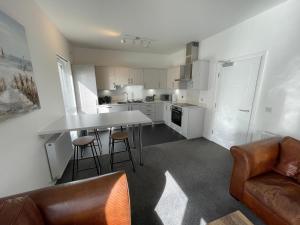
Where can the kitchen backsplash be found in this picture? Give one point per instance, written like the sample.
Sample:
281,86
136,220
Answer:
138,92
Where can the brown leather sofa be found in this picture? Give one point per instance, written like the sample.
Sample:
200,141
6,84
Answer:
272,196
97,201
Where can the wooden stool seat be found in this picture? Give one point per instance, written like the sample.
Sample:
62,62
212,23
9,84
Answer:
119,136
82,141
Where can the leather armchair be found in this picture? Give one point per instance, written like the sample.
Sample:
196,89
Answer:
102,200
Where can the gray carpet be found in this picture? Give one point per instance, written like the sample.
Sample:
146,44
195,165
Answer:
181,183
184,183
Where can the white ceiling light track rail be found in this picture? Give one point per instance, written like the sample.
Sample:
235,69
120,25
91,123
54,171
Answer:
136,40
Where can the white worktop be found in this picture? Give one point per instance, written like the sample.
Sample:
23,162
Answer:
127,103
92,121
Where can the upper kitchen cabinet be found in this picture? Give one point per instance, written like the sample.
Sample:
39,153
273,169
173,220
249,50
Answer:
136,77
155,78
105,77
85,88
122,76
173,74
200,74
163,79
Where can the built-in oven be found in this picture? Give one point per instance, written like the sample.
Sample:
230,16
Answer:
176,116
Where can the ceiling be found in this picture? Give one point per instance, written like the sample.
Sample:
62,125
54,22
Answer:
170,23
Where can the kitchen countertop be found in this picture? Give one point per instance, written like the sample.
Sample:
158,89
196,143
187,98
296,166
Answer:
144,102
200,105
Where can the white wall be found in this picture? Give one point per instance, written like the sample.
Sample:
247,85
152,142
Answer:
277,32
23,163
102,57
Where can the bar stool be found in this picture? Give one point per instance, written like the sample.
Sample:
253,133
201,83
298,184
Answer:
81,143
97,138
120,137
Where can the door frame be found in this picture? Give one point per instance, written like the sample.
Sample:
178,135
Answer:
257,94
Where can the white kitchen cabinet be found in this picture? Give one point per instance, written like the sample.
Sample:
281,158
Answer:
155,78
151,78
185,122
163,78
192,122
122,76
173,73
159,111
148,109
119,108
136,77
135,106
167,113
85,88
112,108
200,74
105,77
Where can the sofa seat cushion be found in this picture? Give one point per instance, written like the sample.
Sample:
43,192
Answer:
20,211
279,193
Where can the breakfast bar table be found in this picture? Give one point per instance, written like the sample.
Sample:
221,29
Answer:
99,121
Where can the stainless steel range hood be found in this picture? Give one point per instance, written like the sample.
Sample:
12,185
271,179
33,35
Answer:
192,50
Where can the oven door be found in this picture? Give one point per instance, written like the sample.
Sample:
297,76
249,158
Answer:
176,116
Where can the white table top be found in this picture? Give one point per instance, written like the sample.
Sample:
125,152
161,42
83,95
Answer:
91,121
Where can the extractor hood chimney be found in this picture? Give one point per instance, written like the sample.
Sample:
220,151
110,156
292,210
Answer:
192,50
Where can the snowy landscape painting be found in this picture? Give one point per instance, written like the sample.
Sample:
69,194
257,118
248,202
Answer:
18,91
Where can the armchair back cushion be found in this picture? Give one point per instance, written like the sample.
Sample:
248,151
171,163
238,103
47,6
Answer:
289,158
20,211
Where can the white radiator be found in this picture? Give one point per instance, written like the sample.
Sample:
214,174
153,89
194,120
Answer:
59,151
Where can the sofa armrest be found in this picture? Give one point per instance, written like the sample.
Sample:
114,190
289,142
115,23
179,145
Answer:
97,201
251,160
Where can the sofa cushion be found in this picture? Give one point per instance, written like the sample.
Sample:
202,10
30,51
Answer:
20,211
279,193
289,158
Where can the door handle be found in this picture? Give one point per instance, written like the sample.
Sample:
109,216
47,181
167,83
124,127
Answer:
244,110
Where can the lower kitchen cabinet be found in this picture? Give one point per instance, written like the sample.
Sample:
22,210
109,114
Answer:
167,113
159,111
192,121
112,108
154,110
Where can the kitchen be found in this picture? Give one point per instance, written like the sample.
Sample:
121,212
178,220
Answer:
165,95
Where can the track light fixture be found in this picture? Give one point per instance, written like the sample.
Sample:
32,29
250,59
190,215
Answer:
135,40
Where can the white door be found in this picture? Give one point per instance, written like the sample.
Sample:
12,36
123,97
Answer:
236,90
